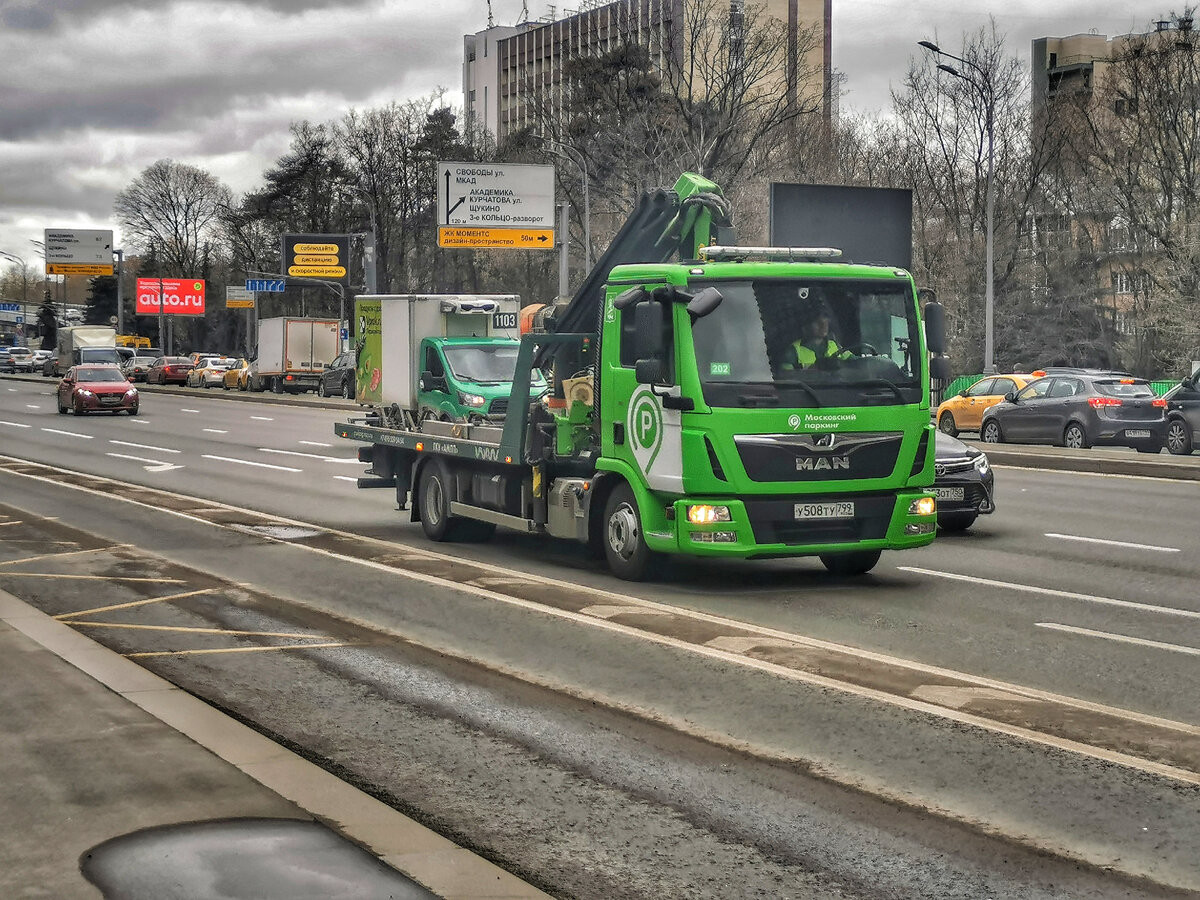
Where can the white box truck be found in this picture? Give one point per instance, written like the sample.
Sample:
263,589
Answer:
463,345
293,352
83,345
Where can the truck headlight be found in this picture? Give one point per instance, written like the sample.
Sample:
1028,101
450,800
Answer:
703,515
922,506
472,400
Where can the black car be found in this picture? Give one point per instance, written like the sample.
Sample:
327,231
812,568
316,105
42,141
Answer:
1080,411
338,379
1183,416
964,483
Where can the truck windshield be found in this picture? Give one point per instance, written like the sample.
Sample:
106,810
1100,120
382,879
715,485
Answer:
485,363
809,343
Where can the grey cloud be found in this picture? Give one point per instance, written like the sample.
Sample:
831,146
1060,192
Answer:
39,15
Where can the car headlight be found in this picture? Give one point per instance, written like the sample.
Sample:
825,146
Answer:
132,392
472,400
981,464
84,392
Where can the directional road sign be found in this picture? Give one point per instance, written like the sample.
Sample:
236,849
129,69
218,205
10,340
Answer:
512,238
9,307
78,252
493,198
237,297
268,285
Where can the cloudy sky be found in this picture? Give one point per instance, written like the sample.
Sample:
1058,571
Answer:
94,91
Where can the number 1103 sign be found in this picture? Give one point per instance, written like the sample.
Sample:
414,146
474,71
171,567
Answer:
180,296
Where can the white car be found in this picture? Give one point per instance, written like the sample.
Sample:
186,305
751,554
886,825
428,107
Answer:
209,372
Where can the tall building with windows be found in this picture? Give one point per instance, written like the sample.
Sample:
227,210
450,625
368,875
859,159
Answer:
502,61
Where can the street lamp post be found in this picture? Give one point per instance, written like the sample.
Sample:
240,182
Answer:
581,164
988,96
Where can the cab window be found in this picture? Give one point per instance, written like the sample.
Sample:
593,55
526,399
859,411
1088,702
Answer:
1035,390
981,388
433,363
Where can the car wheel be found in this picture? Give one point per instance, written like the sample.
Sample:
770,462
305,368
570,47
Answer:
625,548
956,521
1074,437
1179,438
133,411
347,391
947,425
62,410
856,562
991,433
78,408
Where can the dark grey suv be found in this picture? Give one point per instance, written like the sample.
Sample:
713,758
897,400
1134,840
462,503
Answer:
338,379
1183,416
1079,411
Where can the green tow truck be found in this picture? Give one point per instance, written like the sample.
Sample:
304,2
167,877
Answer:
684,415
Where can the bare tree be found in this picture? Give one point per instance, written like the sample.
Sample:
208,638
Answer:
176,209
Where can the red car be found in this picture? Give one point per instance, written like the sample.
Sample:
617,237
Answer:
94,388
169,370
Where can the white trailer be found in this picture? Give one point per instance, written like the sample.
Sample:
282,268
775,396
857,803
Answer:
85,344
293,352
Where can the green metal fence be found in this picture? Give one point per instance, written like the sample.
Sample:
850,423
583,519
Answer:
965,381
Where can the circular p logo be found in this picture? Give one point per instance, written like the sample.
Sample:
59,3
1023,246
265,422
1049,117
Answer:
645,426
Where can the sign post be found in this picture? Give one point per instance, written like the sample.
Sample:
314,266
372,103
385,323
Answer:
495,205
78,252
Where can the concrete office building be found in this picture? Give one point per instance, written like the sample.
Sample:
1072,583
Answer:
502,61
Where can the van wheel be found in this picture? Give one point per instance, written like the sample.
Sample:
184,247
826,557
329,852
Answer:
856,562
625,547
947,426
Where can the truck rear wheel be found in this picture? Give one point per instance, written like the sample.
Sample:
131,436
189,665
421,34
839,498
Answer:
625,547
855,562
433,496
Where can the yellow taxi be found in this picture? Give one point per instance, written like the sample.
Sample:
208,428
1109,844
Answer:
964,411
237,376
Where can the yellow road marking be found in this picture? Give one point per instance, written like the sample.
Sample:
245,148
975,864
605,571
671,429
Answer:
13,562
237,650
93,577
100,609
194,630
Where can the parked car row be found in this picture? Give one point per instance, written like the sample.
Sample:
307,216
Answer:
1077,408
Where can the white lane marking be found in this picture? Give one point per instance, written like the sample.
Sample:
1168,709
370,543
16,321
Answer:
1091,540
332,459
32,406
246,462
1178,481
140,421
1051,592
1123,638
346,478
315,444
12,390
69,433
262,418
144,447
155,465
216,431
189,410
15,424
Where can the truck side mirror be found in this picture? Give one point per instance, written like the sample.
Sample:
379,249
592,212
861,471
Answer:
648,321
648,371
935,328
939,368
629,297
704,303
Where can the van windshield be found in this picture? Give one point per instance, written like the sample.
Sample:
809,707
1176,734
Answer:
485,363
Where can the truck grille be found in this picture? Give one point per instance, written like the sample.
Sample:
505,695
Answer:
819,457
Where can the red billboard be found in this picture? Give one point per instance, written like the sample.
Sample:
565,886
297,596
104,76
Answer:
180,296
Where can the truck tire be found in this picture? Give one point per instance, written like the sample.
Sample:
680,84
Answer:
433,495
276,385
854,562
625,547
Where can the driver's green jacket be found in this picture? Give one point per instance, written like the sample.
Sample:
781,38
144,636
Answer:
805,356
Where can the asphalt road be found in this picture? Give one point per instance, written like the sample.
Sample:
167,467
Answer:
1082,586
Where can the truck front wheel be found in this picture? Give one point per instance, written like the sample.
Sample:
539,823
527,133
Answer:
624,543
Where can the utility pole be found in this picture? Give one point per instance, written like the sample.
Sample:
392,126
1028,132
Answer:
120,255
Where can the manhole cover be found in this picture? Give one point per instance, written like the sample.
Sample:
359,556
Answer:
242,859
281,532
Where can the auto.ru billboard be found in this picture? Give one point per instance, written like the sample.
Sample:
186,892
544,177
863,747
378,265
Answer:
179,296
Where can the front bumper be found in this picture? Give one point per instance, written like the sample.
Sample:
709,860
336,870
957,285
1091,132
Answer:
768,527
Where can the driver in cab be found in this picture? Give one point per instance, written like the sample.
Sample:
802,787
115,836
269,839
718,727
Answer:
815,349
